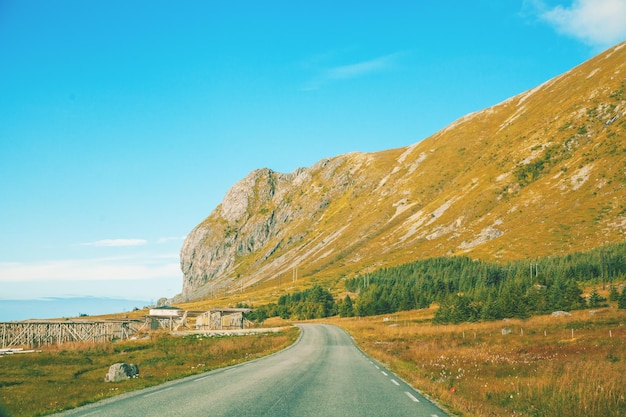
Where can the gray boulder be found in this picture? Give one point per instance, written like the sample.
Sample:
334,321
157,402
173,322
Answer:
121,372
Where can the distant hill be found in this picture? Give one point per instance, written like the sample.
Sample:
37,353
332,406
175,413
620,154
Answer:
541,173
60,307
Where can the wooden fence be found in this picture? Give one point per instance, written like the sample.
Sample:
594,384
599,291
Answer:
34,333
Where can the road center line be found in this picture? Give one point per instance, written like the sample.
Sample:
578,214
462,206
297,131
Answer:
395,382
384,373
412,397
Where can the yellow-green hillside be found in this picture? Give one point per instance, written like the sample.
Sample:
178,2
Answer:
541,173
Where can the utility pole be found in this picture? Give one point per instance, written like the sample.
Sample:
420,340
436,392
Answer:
602,266
608,271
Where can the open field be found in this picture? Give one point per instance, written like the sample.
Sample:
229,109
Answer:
541,366
546,366
71,375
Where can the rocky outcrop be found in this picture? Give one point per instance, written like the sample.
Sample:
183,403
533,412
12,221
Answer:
257,216
540,173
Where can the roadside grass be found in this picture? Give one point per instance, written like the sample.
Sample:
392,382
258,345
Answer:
546,366
70,375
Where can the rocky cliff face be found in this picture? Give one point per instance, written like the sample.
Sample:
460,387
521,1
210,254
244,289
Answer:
543,172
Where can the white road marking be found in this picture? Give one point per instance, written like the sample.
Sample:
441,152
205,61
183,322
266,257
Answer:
375,366
157,392
412,397
384,373
395,382
201,378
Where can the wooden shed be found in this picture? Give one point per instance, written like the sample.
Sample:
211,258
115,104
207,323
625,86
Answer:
166,318
222,319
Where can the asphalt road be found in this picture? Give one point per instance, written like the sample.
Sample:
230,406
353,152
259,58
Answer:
323,374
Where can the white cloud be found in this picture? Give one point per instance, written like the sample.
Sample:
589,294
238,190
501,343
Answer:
145,276
599,23
141,267
350,71
116,242
361,68
162,240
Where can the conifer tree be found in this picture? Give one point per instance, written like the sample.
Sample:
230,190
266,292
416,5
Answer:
621,302
346,308
594,299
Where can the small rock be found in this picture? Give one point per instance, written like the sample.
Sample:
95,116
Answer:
121,372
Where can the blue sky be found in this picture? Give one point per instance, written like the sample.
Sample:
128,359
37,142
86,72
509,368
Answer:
124,123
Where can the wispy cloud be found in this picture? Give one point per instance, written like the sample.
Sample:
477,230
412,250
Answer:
140,267
162,240
361,68
116,242
598,23
326,75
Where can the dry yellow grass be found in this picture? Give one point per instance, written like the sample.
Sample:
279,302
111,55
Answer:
538,369
70,375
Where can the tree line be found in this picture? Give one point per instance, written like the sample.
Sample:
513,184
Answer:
466,289
315,302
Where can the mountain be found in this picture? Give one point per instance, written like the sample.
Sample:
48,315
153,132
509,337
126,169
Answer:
541,173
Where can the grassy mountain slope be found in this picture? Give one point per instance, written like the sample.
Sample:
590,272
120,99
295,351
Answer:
541,173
